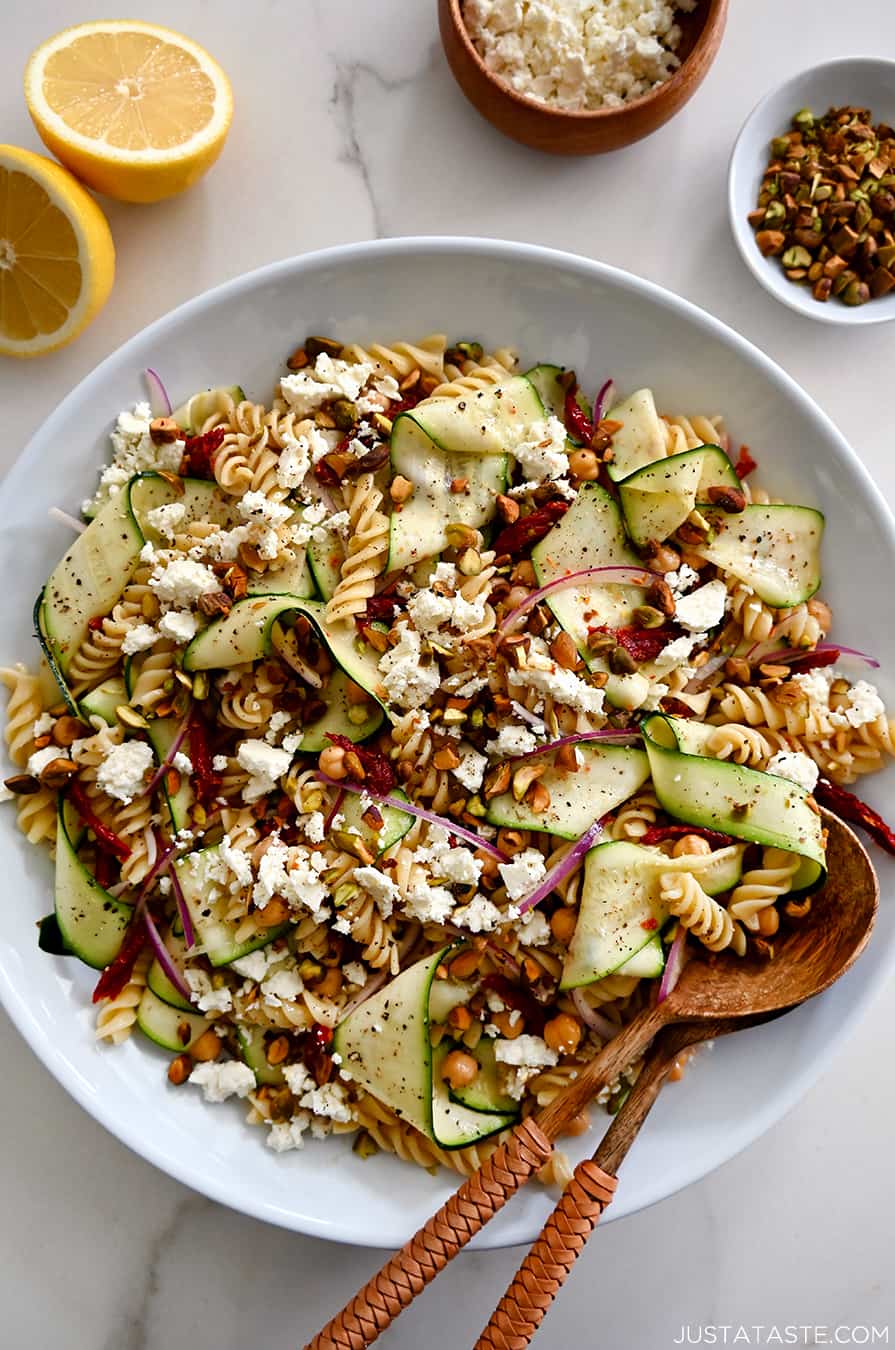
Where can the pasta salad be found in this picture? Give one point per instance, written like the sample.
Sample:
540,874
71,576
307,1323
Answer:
396,741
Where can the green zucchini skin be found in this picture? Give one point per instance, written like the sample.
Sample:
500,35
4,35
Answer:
92,923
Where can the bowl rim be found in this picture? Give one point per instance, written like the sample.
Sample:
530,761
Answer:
788,294
716,12
22,1010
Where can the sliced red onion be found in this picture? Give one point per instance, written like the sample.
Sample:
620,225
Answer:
624,576
168,760
601,400
535,722
607,734
158,394
164,957
58,514
596,1021
186,922
385,799
792,653
334,810
562,869
674,963
707,670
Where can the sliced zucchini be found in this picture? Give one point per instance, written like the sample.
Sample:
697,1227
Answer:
296,578
608,775
395,823
171,1028
659,497
418,526
91,921
641,439
252,1048
480,423
88,581
483,1093
773,549
195,411
385,1045
647,964
50,939
325,558
547,380
745,803
201,498
216,937
621,910
244,635
104,699
162,732
158,981
337,718
592,534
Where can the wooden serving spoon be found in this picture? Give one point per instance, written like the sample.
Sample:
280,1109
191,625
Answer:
587,1196
807,959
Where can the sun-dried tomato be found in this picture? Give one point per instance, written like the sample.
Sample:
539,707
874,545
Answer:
649,925
675,707
811,660
105,869
206,783
314,1047
380,609
107,840
578,424
643,644
378,771
118,972
657,834
745,463
529,530
197,460
518,999
856,812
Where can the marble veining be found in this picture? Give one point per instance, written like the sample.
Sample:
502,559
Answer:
349,125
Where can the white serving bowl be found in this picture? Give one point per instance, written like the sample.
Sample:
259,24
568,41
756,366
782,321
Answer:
862,81
554,307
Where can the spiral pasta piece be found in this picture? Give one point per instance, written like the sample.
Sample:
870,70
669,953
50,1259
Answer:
366,554
24,707
756,619
634,818
683,897
155,679
743,745
401,359
115,1017
758,708
762,886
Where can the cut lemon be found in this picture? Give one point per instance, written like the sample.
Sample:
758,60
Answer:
138,111
57,259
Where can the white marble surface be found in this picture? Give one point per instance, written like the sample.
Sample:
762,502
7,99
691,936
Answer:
348,125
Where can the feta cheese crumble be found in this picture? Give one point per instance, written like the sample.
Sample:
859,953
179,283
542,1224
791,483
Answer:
265,764
407,682
180,581
308,389
522,874
470,772
795,766
703,608
139,639
863,705
220,1081
179,625
121,774
511,741
578,54
540,450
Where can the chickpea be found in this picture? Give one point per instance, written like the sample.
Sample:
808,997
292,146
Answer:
459,1069
460,1018
664,559
401,488
563,1033
331,983
512,841
207,1047
768,921
179,1070
332,762
508,1025
563,923
691,844
584,465
276,911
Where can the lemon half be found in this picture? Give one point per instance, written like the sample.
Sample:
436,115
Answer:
137,111
57,259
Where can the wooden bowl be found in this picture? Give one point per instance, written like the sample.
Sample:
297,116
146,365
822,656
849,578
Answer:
559,132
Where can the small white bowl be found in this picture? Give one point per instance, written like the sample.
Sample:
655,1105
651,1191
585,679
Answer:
863,81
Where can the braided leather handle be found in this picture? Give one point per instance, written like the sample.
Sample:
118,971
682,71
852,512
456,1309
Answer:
542,1274
406,1274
